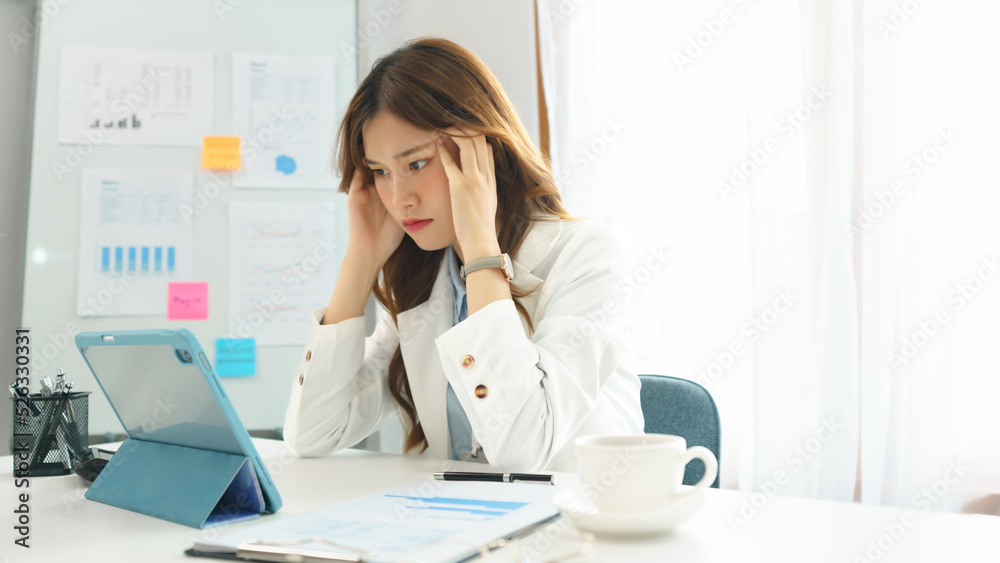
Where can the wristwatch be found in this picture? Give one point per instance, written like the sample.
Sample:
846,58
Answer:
502,262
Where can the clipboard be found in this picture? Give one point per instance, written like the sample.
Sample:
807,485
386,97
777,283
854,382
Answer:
289,553
451,522
187,459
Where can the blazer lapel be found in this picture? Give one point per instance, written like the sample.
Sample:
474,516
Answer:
536,246
524,280
418,328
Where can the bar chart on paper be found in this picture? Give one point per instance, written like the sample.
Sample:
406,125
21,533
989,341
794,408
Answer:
133,240
282,267
155,260
135,97
450,508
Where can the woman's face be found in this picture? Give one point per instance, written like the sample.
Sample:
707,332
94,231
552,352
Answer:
410,178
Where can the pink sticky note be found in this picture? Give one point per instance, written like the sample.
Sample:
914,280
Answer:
187,301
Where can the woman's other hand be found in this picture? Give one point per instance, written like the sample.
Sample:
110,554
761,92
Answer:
373,232
473,190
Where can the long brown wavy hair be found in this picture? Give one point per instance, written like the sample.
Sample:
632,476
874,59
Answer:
434,83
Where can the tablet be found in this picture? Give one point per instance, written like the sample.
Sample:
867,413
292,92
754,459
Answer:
163,389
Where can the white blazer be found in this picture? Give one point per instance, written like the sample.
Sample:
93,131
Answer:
572,377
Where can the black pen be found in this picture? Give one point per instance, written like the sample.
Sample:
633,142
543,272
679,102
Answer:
495,477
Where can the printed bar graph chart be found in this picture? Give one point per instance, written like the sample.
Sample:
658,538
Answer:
135,236
459,507
137,259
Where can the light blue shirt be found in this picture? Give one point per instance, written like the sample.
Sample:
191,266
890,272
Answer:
458,422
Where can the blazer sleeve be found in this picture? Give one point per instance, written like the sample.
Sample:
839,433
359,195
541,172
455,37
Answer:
539,391
340,393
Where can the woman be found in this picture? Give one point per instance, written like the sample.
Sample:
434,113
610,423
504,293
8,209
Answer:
441,176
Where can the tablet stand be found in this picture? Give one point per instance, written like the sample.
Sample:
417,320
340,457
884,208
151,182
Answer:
190,486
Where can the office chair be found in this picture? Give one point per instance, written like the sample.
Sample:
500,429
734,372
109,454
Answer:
683,408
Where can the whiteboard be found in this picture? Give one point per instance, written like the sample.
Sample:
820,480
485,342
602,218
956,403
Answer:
223,27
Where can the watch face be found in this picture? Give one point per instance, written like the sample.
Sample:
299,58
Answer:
508,270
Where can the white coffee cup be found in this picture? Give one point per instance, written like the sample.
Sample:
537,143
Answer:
638,473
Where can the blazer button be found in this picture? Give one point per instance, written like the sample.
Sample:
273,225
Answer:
309,355
468,361
302,378
482,391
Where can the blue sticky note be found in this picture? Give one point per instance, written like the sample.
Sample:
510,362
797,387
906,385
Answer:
235,357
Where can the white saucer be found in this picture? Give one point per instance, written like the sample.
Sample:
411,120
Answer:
581,514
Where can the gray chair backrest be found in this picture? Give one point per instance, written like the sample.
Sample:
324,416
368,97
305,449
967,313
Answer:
683,408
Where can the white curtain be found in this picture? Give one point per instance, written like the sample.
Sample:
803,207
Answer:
748,140
729,115
931,243
820,175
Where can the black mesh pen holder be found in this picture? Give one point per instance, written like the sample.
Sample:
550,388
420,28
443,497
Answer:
49,433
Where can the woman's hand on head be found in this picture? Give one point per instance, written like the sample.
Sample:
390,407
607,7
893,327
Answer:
372,230
473,188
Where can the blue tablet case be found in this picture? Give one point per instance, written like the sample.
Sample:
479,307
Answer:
190,473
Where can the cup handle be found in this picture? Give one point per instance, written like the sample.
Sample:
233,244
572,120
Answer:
711,468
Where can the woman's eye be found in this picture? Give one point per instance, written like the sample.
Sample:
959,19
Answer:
421,163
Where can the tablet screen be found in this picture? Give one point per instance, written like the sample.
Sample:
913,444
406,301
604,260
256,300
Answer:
160,394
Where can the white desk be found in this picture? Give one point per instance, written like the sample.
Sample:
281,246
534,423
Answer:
66,527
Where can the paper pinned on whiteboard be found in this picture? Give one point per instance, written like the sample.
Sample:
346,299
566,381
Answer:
133,240
285,111
134,97
283,264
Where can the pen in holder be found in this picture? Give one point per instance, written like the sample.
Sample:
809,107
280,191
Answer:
50,429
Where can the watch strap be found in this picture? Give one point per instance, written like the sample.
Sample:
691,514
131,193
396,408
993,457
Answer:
502,262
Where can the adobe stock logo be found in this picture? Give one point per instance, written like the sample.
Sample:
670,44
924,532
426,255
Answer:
757,156
958,298
751,331
894,532
696,45
588,152
901,14
795,460
47,11
912,170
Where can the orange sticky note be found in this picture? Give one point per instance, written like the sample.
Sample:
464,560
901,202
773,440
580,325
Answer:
187,301
220,153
